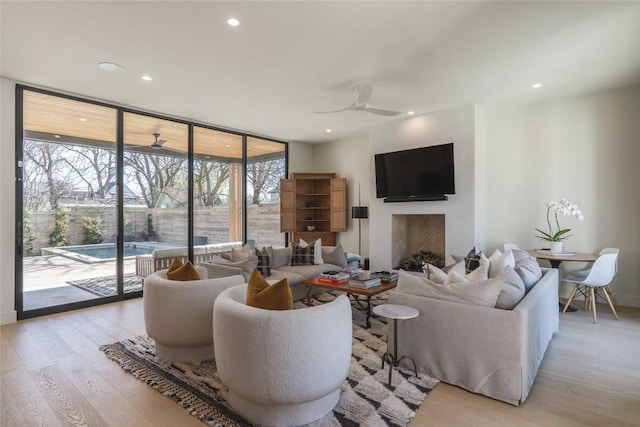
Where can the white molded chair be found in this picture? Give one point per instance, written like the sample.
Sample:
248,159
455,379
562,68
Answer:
596,279
584,272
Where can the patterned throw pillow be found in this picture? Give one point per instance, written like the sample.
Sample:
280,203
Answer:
264,261
300,255
472,260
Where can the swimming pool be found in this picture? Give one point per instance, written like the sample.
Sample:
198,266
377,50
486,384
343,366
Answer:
104,251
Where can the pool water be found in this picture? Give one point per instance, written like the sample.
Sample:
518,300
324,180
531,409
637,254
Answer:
109,251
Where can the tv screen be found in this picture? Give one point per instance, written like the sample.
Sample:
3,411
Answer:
416,173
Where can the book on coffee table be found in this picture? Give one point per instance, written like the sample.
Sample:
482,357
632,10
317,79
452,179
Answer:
334,277
365,284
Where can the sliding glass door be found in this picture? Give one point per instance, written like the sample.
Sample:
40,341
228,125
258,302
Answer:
104,192
68,191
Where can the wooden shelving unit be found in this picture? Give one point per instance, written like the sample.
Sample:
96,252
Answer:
313,206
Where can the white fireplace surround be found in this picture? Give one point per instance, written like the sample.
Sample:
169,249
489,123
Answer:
462,211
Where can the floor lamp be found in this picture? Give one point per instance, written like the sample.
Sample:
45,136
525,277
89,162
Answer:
359,213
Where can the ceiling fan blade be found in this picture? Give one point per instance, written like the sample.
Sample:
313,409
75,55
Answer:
350,107
158,143
371,109
364,91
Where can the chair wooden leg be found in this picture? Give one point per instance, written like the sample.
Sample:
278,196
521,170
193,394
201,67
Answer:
610,303
573,294
593,304
613,296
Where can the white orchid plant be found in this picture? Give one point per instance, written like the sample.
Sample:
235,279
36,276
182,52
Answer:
563,207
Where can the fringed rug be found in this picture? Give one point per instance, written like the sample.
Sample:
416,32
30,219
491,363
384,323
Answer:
366,399
106,286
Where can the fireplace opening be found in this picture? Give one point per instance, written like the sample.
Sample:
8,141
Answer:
417,240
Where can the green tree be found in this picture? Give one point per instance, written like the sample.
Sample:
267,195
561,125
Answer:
27,233
92,230
60,234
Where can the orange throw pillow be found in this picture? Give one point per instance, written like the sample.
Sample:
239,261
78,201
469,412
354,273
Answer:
175,264
261,294
184,272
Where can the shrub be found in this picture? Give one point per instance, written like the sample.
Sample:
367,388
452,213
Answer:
148,233
60,234
92,230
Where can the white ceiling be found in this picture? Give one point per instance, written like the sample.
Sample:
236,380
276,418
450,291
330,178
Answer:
289,59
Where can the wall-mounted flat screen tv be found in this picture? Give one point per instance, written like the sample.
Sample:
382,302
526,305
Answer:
425,173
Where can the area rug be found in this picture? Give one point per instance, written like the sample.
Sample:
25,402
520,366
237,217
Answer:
366,399
106,286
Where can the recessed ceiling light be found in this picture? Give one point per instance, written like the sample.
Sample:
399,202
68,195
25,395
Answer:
233,22
536,85
146,78
56,136
227,146
82,119
411,113
111,67
329,131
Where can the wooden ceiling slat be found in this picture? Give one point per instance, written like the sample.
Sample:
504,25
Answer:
50,114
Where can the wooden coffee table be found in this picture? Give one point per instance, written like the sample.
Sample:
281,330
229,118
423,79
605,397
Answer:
353,292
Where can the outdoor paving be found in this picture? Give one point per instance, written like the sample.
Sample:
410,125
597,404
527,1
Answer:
45,279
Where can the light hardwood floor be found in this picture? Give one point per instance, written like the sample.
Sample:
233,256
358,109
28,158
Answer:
54,375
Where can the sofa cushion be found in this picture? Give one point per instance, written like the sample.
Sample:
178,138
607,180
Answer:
529,271
264,261
270,297
317,250
185,272
512,290
247,265
483,292
308,271
439,275
292,277
498,261
301,255
280,257
334,255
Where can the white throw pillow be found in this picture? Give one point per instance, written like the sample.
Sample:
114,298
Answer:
476,275
317,250
241,254
498,261
484,292
529,271
512,291
438,275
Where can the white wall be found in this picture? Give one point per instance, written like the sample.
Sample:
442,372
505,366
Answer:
300,157
584,148
8,313
349,158
455,125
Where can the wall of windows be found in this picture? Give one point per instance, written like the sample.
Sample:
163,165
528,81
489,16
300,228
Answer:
103,185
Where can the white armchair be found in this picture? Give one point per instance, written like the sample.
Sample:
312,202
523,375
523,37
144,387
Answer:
281,367
177,314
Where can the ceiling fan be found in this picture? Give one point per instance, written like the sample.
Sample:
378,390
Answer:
158,142
363,94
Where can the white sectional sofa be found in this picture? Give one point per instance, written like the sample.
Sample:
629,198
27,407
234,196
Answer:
486,350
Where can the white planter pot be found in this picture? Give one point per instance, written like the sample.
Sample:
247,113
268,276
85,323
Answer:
556,247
